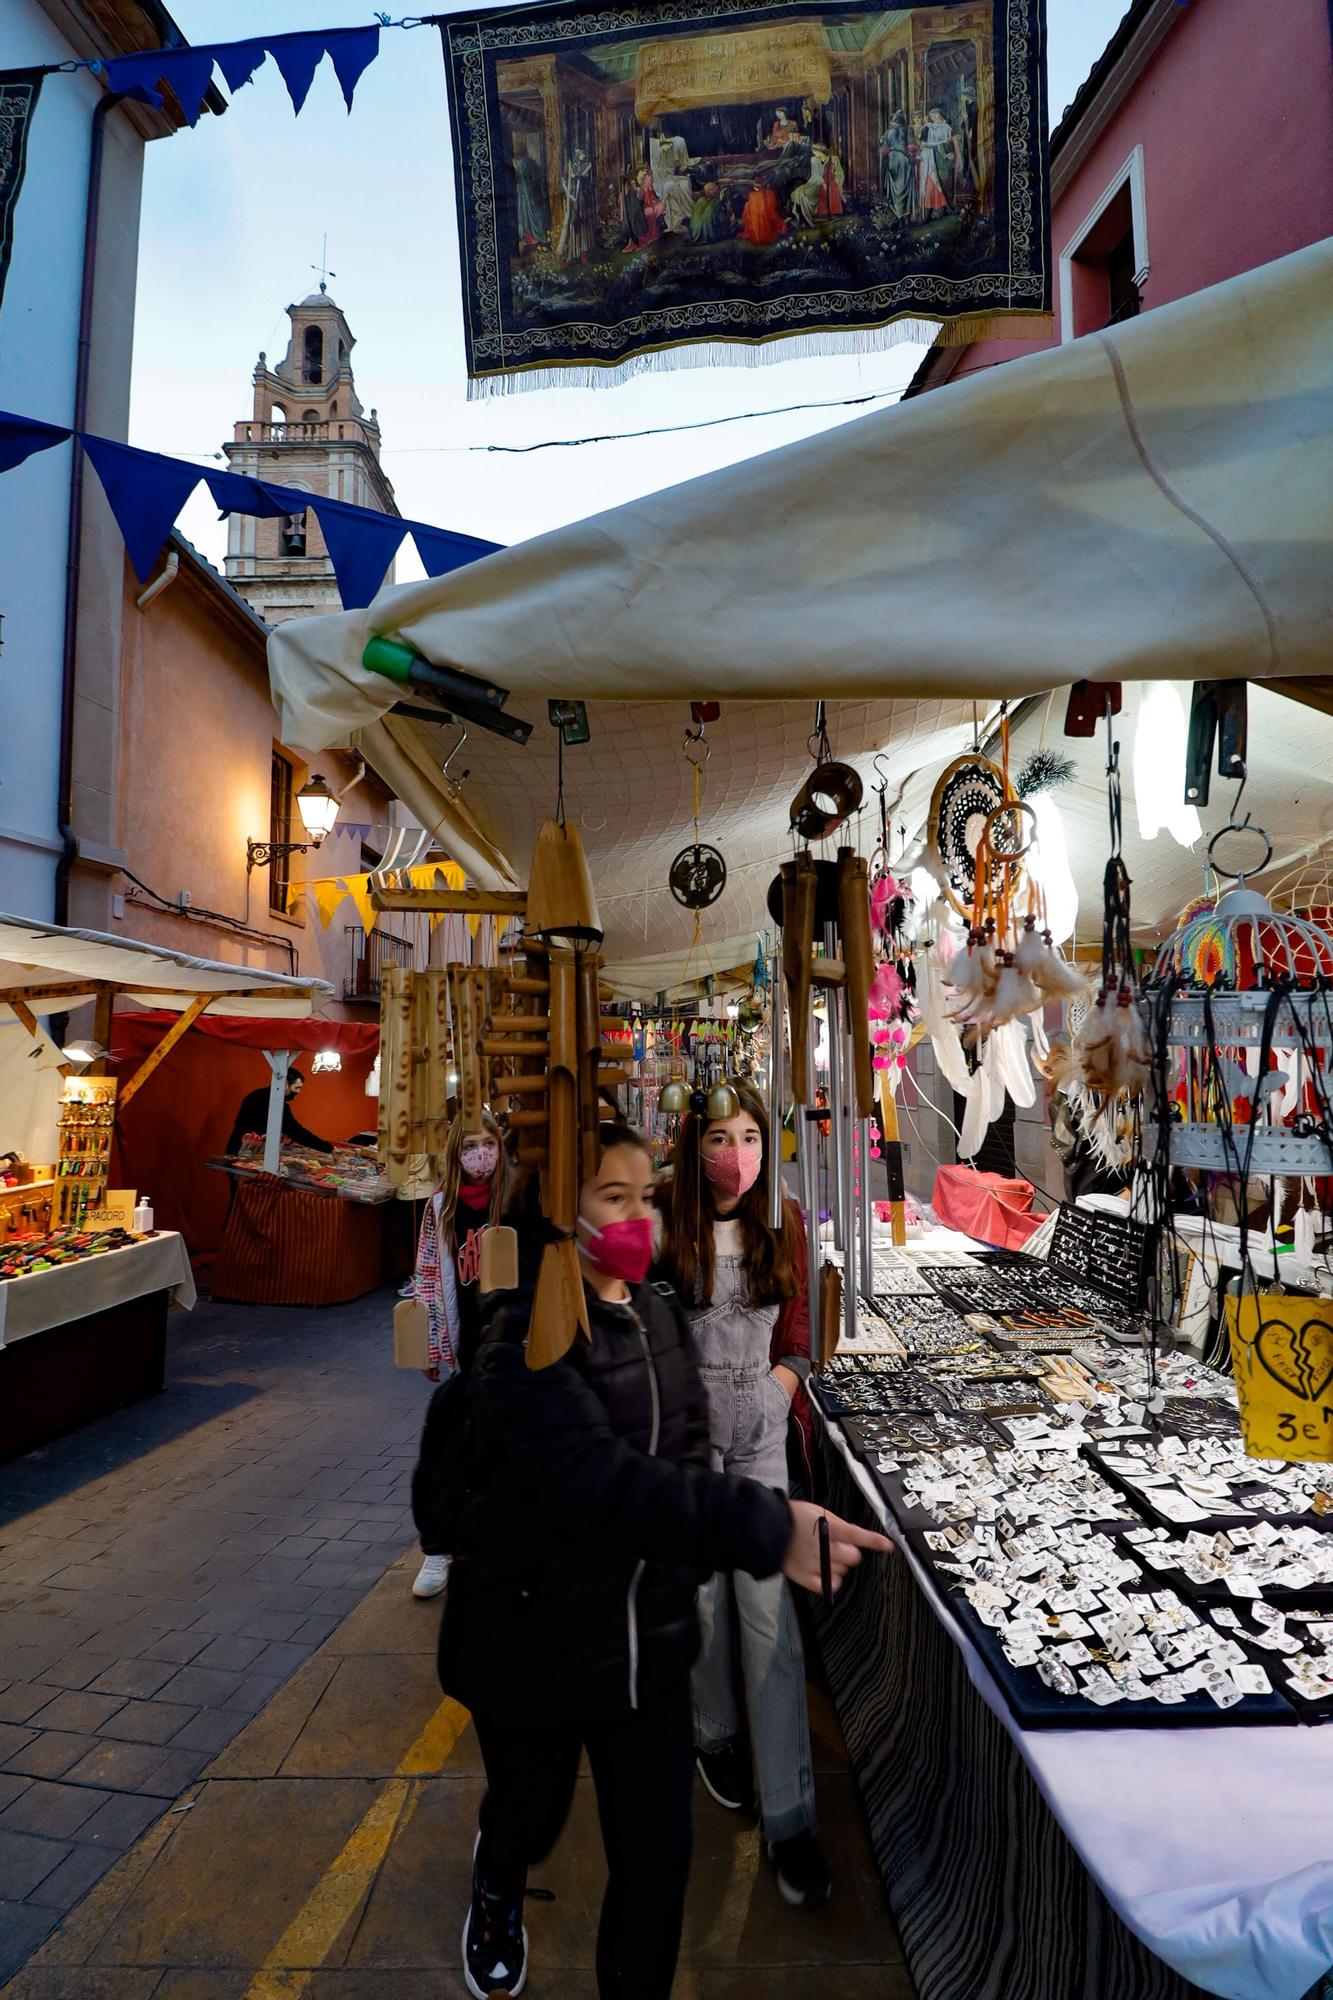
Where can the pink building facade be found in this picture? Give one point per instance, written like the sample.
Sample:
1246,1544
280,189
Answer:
1201,146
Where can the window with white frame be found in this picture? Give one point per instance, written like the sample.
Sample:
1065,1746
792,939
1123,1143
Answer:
1104,263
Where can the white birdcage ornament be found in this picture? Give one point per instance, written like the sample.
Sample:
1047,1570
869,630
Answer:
1240,1002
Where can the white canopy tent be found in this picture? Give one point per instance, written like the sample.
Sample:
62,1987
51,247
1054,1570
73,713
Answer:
1151,502
46,969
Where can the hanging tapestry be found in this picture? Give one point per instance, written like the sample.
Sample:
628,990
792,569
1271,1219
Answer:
18,101
676,173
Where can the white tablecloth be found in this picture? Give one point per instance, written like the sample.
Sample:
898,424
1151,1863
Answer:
45,1299
1214,1846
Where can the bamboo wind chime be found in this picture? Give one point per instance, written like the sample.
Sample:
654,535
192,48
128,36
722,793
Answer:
546,1057
525,1041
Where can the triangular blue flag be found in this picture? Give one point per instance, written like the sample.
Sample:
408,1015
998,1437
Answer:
188,71
238,493
298,57
352,51
145,492
238,61
441,551
361,546
20,437
137,77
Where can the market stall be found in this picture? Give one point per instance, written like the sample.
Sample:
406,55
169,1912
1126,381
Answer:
1078,1502
302,1227
1089,1819
86,1278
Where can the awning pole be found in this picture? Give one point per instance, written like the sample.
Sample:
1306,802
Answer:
278,1061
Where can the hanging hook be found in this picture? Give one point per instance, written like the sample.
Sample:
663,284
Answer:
883,776
444,768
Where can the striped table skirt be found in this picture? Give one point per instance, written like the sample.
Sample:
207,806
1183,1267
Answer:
285,1246
991,1901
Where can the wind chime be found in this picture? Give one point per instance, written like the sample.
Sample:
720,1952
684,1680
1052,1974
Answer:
831,898
697,878
547,1066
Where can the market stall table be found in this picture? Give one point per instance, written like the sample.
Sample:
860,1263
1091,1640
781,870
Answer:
310,1235
86,1337
1025,1859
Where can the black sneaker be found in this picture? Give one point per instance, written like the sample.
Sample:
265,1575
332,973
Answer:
727,1776
495,1943
803,1875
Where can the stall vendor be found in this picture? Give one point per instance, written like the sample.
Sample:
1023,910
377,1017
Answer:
252,1116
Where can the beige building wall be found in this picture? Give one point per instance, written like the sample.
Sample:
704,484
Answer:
194,749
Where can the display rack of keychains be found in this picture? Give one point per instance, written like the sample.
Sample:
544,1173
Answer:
1114,1566
85,1128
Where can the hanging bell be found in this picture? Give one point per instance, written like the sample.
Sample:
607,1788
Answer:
721,1102
674,1098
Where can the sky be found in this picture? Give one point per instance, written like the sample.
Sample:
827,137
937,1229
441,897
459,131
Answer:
233,222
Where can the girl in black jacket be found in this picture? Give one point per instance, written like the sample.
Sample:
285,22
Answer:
570,1620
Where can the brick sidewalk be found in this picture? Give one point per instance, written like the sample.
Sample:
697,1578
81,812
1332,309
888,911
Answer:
328,1854
164,1571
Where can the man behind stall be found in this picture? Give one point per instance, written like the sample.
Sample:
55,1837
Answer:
252,1116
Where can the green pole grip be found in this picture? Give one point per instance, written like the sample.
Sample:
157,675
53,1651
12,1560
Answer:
391,658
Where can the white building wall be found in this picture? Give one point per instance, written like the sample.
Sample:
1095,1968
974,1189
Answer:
38,337
39,323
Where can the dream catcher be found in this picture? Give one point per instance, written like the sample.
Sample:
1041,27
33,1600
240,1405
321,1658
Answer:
1010,967
968,796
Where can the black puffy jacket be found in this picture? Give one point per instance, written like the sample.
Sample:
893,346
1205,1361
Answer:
593,1518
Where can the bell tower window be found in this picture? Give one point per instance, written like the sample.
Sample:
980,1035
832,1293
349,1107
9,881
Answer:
293,534
313,368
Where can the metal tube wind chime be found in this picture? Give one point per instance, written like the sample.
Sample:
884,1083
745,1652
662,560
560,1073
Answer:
833,897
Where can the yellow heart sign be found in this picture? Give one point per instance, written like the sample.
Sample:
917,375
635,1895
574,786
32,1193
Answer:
1282,1354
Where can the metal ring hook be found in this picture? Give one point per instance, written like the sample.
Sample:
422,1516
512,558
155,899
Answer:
698,749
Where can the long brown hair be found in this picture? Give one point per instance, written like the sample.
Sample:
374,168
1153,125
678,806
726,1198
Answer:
451,1170
689,1213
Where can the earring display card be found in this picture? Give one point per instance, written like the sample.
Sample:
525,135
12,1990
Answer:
1292,1650
1243,1565
1210,1482
1109,1251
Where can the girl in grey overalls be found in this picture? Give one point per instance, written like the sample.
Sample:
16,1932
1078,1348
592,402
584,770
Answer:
743,1288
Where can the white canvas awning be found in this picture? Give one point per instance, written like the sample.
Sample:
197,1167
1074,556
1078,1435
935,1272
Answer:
55,969
1153,501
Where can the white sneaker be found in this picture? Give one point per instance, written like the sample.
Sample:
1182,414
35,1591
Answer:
431,1577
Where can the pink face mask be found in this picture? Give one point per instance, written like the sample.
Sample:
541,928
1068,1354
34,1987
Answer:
733,1170
622,1249
479,1162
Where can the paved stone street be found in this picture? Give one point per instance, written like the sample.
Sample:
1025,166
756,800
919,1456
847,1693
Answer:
226,1771
164,1571
327,1854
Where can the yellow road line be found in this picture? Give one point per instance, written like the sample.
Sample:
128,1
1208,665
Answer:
310,1937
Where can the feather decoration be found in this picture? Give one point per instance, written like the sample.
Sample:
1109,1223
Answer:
1043,771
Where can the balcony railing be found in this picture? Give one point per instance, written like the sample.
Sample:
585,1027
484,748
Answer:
370,955
335,430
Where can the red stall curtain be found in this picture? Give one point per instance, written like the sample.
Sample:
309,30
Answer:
183,1115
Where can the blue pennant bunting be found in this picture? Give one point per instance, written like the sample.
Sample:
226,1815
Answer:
238,493
20,437
352,51
145,492
440,550
188,71
361,546
238,61
297,57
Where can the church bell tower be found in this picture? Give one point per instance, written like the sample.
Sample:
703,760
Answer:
309,431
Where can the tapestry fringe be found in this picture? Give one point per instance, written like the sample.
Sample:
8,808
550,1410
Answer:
760,354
